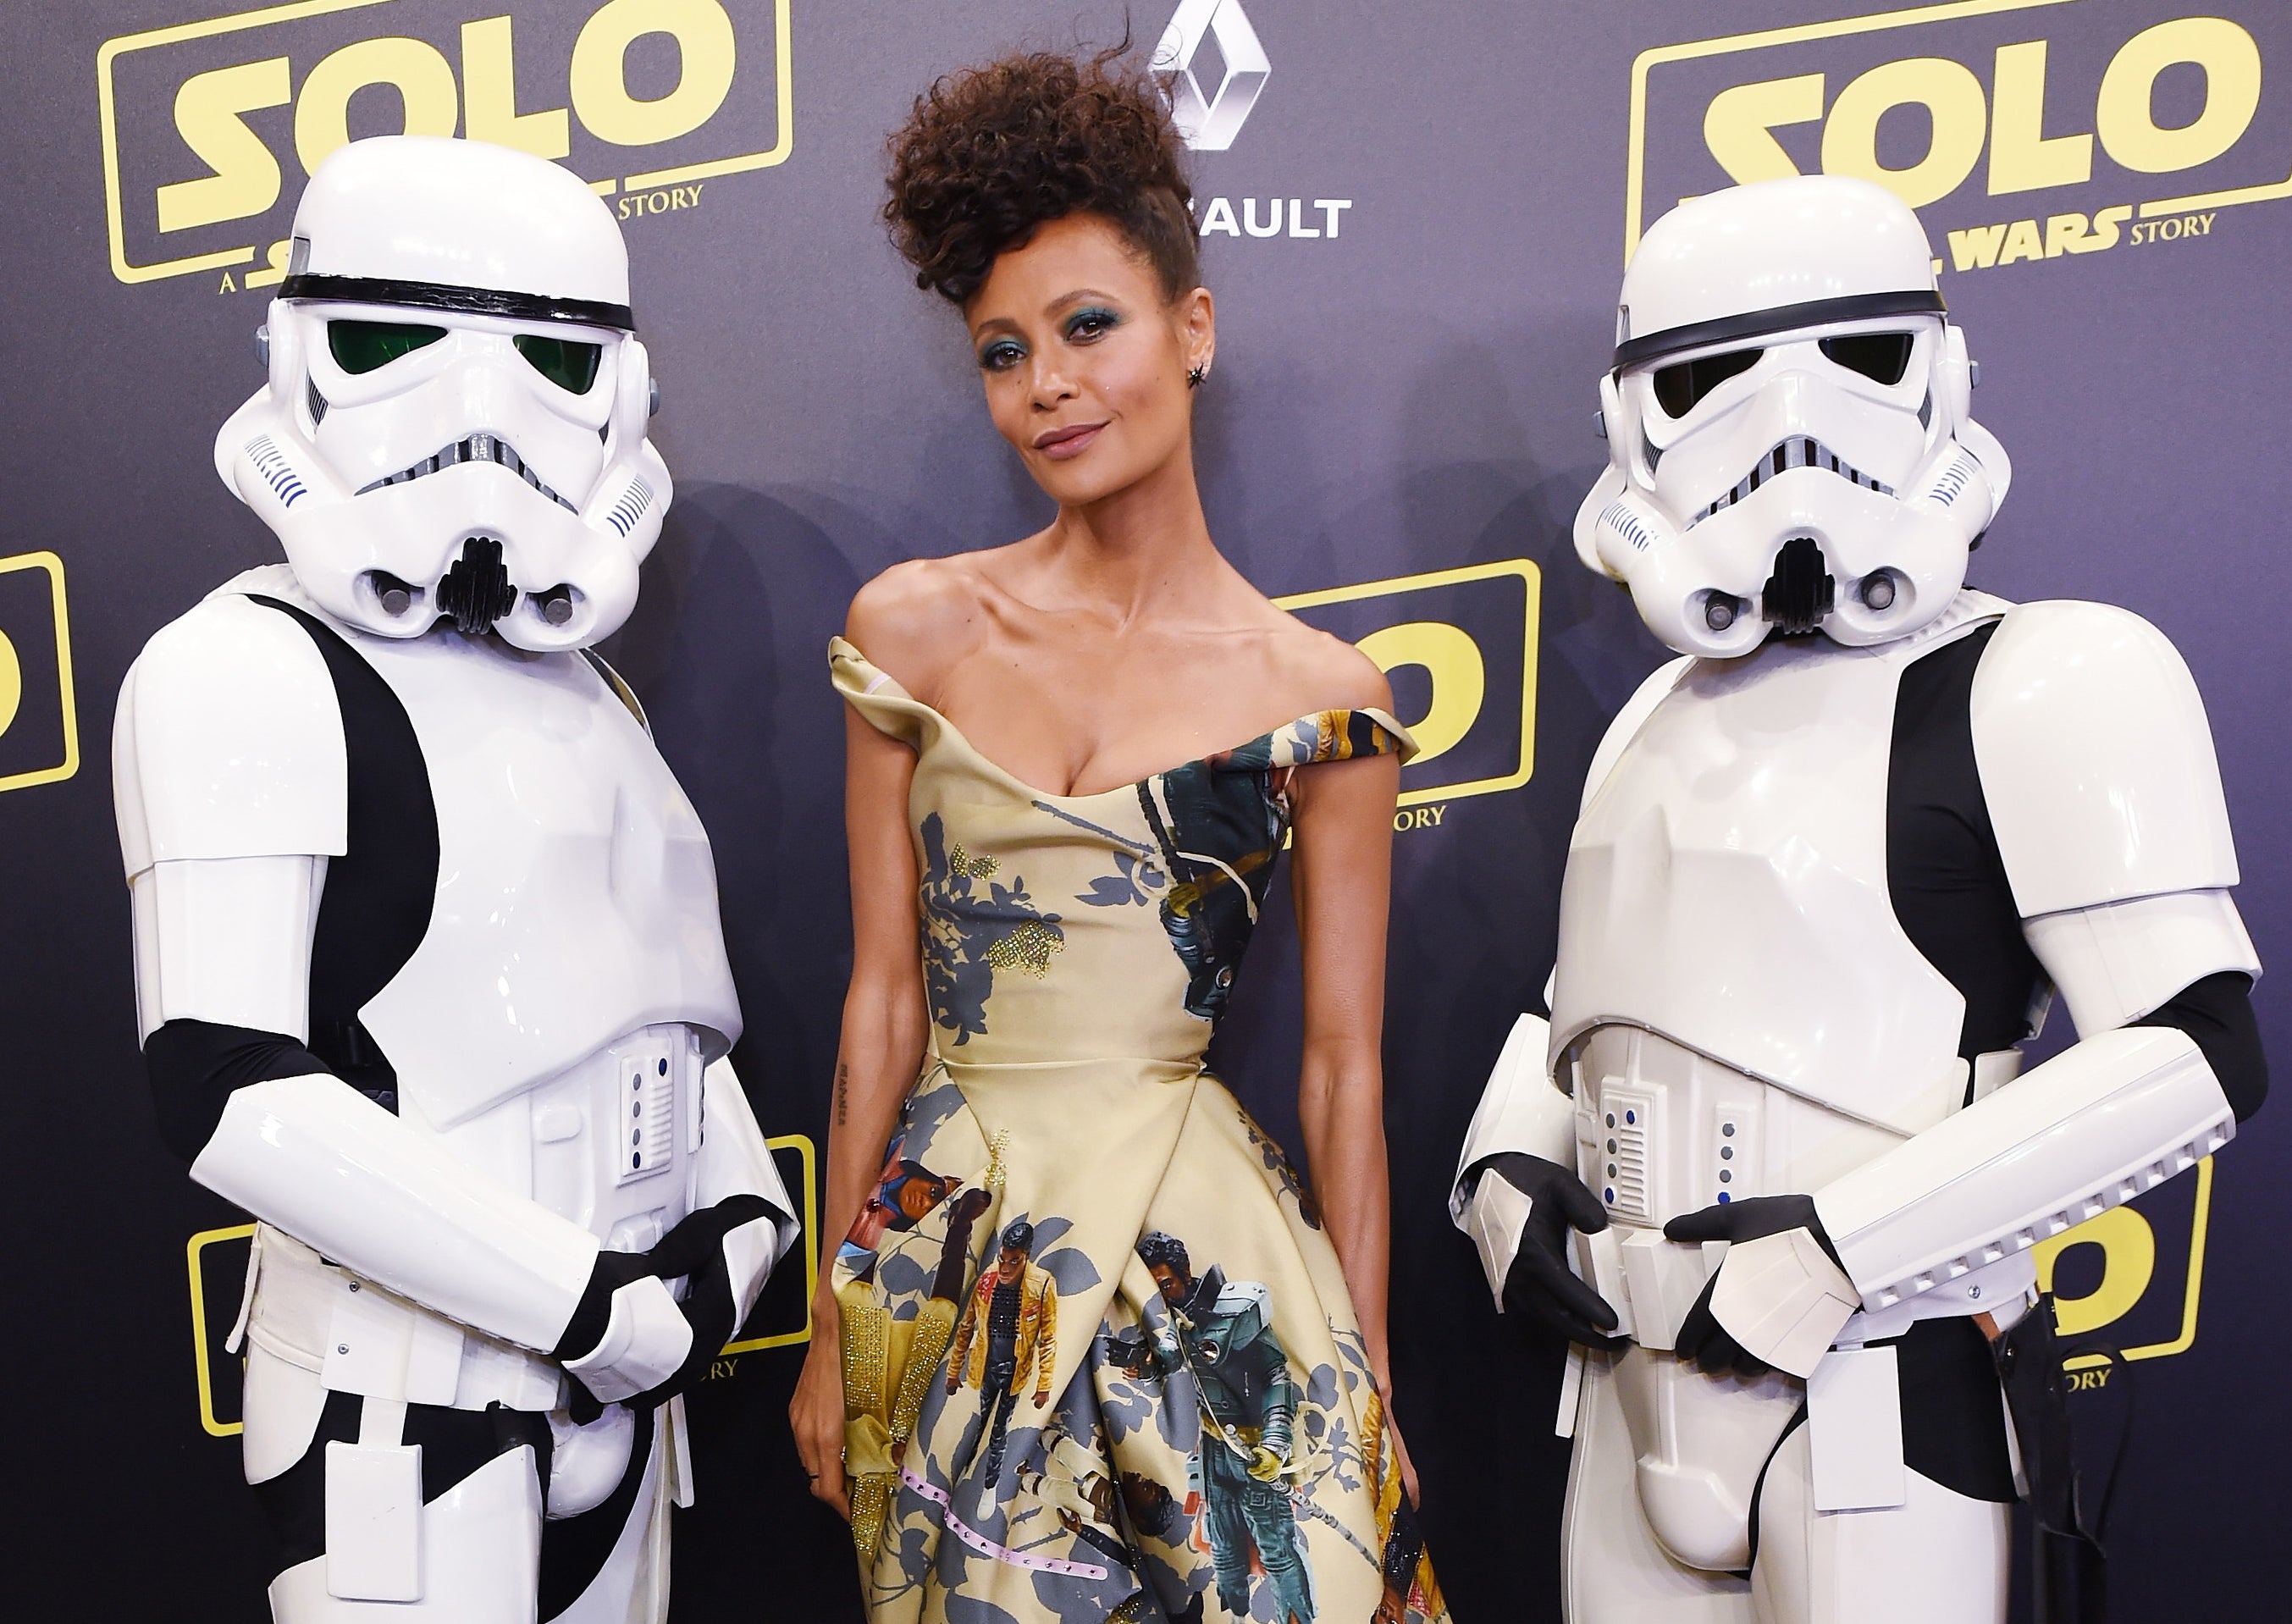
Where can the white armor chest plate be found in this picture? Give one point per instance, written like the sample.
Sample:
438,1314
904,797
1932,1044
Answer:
553,1025
1726,888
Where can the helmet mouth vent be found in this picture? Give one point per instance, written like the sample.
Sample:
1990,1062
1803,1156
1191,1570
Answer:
476,591
473,449
1798,451
1802,592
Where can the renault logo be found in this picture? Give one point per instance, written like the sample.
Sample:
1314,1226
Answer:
1219,66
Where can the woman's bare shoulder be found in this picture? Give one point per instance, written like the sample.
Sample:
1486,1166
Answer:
1326,672
918,619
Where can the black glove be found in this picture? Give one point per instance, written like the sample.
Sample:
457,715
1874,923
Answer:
1539,1284
1701,1338
694,1250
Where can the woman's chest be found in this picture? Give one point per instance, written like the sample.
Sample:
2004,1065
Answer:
1075,717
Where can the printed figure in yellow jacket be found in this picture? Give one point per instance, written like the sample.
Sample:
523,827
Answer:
1009,1332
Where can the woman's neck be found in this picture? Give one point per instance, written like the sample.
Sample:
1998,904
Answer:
1137,548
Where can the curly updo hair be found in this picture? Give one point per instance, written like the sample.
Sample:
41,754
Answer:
992,154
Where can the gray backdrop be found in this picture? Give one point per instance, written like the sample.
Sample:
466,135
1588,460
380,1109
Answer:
1407,396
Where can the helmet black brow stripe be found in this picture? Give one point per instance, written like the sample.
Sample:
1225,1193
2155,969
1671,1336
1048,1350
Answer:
466,300
1779,319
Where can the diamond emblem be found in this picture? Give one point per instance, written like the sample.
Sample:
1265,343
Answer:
1212,40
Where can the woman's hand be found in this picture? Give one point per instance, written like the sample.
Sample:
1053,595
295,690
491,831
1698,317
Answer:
815,1412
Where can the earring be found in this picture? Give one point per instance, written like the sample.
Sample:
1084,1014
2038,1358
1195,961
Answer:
1195,376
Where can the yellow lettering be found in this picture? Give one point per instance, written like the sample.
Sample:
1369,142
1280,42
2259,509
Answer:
1459,677
245,178
1437,813
1975,249
11,679
2022,242
1952,98
704,61
2106,224
2128,1248
2065,234
1738,125
2021,157
490,85
2124,116
229,286
418,71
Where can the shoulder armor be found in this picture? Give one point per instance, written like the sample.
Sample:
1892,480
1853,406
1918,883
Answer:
228,742
2096,761
1628,721
1239,1295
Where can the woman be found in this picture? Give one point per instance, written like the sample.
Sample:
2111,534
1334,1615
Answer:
1091,1350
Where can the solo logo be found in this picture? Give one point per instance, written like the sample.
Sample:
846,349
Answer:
2130,1279
217,1263
200,121
1459,646
39,721
2129,125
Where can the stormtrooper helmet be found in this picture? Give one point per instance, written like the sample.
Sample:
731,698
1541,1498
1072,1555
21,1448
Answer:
455,422
1789,443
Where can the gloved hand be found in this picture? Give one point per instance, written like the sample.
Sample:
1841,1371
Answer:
1539,1282
631,1341
1789,1304
1265,1464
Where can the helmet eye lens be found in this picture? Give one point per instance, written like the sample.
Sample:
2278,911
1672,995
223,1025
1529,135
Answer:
1881,357
569,364
1680,386
361,346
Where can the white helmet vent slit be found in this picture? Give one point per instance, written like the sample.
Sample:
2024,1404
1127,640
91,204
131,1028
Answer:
1798,451
315,402
475,449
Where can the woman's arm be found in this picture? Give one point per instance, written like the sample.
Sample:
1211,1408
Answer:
1341,877
885,1028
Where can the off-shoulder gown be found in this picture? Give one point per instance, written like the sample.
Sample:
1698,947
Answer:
1161,1408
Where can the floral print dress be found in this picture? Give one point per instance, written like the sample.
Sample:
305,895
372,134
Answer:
1099,1361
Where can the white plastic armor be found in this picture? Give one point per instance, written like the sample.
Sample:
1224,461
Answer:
558,1034
1736,1009
512,416
1878,467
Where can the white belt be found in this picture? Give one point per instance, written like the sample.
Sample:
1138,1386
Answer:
364,1339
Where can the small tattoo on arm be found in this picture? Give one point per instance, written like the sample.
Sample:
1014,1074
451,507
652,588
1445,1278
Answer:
843,1093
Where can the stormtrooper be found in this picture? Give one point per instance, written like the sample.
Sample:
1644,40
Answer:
1772,1166
428,963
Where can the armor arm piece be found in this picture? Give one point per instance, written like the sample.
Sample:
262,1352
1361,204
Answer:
226,941
228,742
1780,1296
2096,762
735,1162
2115,963
1519,1111
317,1159
2116,1114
